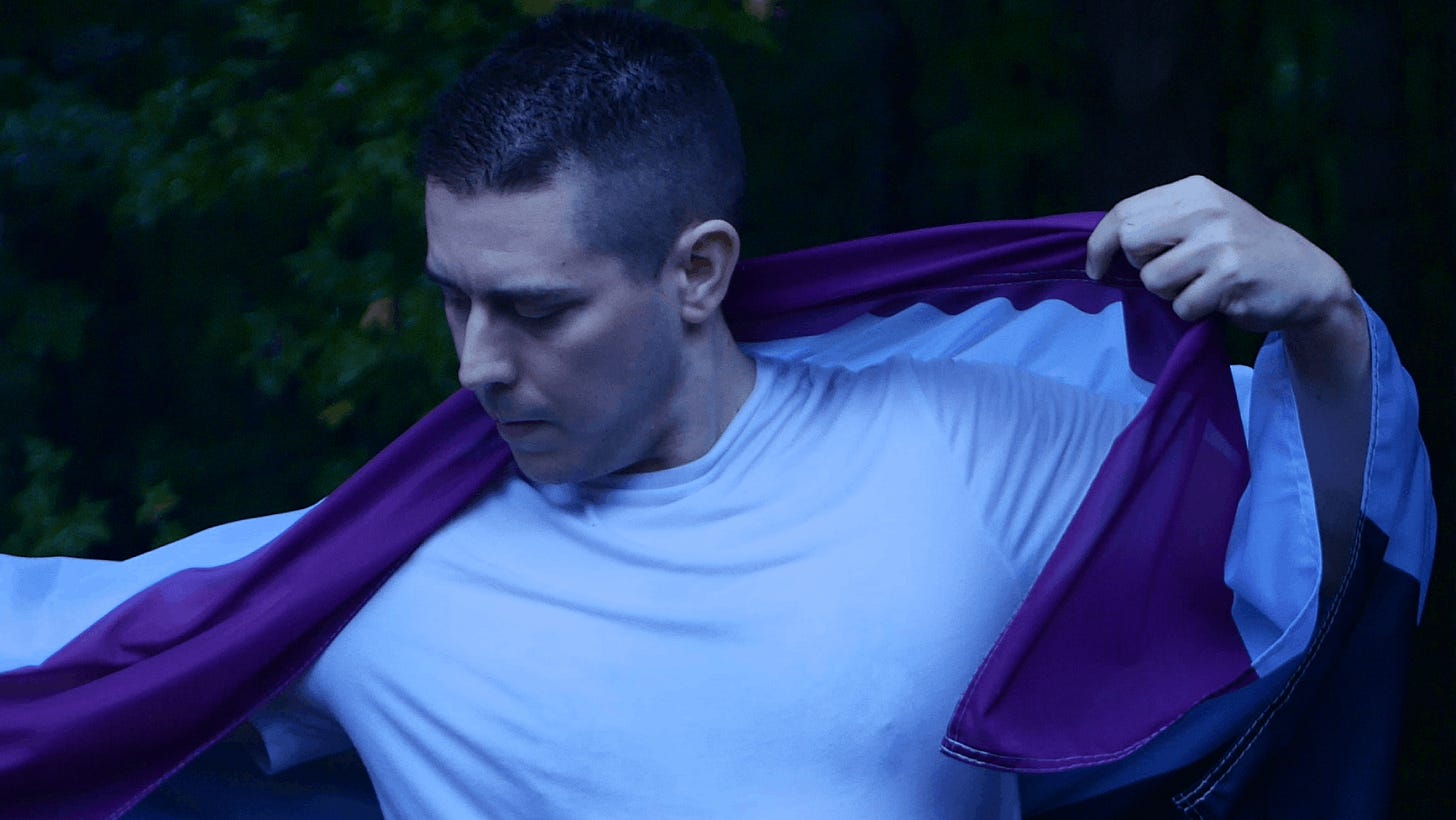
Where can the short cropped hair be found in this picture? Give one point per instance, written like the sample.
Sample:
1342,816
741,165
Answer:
634,104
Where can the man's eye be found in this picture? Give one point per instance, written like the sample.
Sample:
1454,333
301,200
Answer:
538,313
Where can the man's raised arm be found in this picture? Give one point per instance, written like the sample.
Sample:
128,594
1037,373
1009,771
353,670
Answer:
1208,251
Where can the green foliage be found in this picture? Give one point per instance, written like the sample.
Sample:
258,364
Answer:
228,237
46,523
210,243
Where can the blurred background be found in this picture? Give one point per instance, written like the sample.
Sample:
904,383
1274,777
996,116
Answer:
211,304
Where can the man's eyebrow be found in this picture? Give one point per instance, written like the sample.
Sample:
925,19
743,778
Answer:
522,293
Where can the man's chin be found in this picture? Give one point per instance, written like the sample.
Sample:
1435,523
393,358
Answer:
540,468
543,463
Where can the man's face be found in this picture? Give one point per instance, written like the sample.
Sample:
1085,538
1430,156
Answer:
576,358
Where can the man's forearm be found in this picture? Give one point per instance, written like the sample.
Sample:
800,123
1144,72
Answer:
1330,360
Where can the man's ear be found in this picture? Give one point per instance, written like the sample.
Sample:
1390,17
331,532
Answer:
701,265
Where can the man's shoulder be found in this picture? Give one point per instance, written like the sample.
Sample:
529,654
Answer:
891,399
894,373
911,380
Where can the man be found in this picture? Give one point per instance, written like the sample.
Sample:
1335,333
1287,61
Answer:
716,583
580,192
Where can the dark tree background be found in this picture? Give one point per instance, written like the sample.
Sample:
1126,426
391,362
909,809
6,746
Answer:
210,233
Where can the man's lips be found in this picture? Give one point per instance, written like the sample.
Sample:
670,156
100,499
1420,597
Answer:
502,419
514,424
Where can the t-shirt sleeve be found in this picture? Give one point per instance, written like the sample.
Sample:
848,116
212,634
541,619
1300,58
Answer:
294,731
1026,446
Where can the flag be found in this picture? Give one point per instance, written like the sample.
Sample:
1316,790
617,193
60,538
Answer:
1189,570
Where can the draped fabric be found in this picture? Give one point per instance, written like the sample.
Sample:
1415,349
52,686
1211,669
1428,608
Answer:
1154,601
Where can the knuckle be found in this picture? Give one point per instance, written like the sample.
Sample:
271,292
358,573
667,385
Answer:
1226,264
1159,285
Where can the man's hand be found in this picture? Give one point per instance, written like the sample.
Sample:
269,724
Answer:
1208,251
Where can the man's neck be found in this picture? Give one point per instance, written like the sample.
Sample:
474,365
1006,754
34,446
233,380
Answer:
717,378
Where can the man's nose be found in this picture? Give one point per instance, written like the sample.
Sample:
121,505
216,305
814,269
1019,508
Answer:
485,355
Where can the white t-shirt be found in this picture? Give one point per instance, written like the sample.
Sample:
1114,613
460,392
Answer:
780,628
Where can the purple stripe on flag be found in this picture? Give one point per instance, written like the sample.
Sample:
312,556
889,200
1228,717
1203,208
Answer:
953,268
1096,660
816,289
178,665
